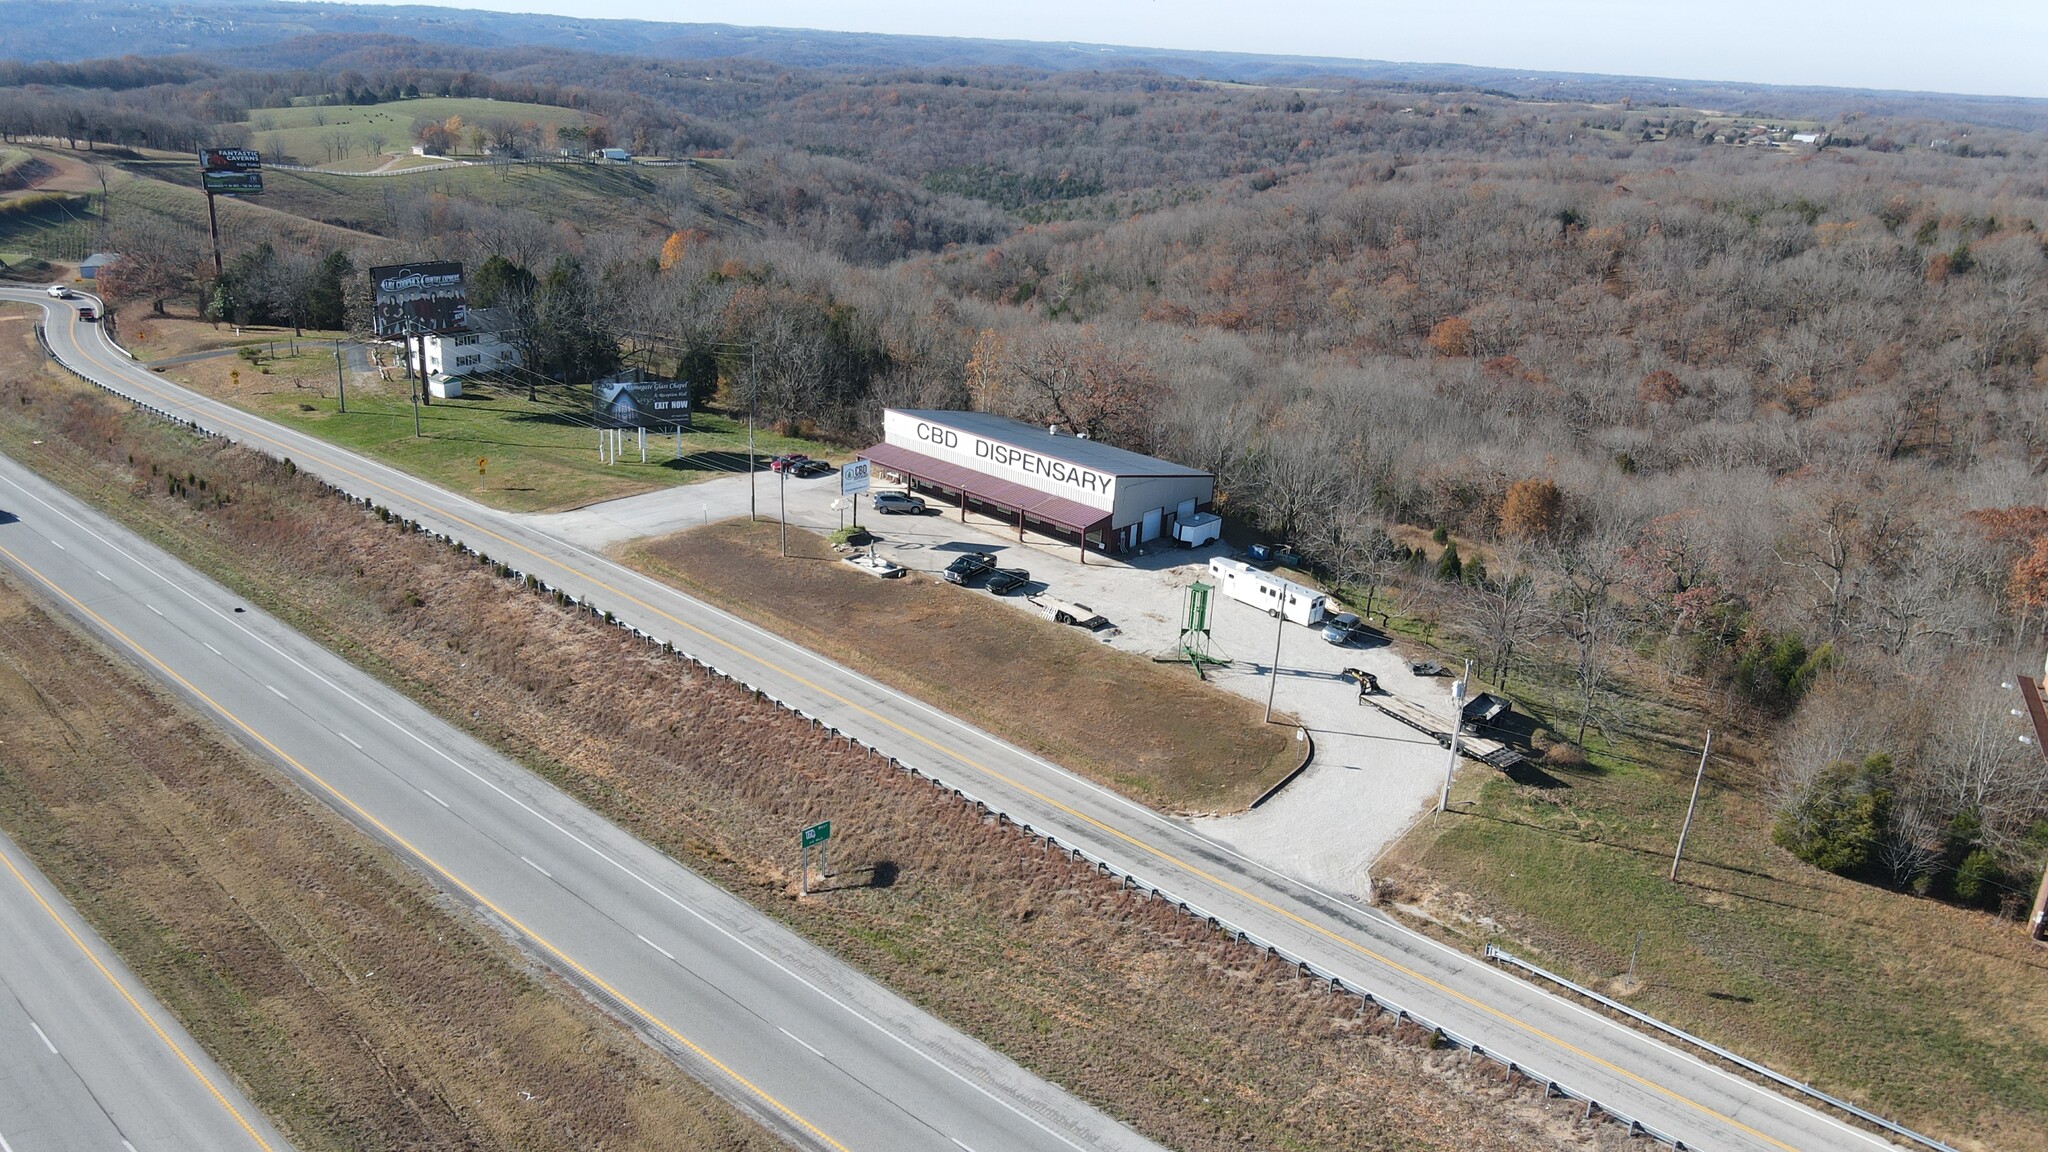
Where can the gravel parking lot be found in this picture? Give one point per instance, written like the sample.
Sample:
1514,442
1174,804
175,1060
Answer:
1372,776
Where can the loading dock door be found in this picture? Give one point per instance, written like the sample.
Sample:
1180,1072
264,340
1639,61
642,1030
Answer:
1151,531
1186,509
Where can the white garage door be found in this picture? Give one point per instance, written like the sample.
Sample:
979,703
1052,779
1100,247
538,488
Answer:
1187,509
1151,531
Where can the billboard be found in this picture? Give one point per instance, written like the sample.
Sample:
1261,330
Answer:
414,298
625,402
233,170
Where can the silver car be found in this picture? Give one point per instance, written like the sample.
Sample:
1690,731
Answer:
892,502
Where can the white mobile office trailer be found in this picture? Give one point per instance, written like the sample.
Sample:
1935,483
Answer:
1267,592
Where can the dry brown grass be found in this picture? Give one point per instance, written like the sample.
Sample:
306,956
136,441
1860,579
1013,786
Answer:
1149,730
349,1002
1197,1041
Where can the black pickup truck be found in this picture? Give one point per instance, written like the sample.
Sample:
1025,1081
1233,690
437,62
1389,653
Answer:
970,567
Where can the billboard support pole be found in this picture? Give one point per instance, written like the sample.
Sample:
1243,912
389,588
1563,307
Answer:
213,227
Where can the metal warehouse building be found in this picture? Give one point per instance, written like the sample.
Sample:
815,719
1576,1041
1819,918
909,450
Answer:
1039,479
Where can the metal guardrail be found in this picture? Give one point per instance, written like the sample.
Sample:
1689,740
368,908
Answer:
1552,1087
1501,956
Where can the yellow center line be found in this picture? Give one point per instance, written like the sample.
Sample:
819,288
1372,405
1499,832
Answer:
257,433
431,864
148,1018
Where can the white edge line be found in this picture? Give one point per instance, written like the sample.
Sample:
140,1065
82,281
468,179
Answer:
818,1054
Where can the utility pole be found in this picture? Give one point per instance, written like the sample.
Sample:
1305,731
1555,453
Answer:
1279,630
782,496
340,384
1457,728
1695,803
753,394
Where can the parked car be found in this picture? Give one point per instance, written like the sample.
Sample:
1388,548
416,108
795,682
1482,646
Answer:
807,468
1342,628
1004,581
789,463
60,291
891,503
875,565
971,567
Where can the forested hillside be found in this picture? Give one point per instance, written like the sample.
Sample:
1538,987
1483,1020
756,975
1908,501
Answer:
1751,421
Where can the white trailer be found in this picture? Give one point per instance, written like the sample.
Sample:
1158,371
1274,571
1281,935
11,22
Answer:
1266,592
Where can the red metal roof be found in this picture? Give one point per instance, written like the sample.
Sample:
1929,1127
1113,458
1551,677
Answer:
1041,506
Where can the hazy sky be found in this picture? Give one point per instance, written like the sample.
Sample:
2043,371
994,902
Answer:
1978,46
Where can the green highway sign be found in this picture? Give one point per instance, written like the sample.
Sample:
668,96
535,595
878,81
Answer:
817,834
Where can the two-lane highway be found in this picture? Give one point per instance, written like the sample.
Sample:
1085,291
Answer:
811,1047
1628,1071
89,1062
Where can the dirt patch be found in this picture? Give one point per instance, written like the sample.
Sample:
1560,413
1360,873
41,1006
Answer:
1199,1041
351,1005
1151,731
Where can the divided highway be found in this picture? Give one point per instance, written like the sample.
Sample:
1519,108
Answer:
1544,1034
88,1059
809,1046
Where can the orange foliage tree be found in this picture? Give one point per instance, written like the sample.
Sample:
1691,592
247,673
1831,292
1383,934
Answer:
1452,336
1533,508
2026,527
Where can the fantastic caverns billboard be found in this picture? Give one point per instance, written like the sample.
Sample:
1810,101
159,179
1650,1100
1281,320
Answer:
409,299
236,171
625,402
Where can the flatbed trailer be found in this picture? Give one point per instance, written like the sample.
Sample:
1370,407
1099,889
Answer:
1489,752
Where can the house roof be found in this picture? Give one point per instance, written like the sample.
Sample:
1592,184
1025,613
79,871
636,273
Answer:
1041,506
1091,454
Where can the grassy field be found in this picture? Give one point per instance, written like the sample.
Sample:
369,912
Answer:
1199,1041
540,456
308,134
1148,730
1928,1014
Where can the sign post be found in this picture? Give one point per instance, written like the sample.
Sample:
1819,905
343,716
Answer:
818,834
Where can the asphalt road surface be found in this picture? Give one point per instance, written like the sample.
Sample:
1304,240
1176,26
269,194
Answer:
1546,1035
815,1050
89,1062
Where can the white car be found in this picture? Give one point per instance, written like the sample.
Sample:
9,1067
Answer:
60,291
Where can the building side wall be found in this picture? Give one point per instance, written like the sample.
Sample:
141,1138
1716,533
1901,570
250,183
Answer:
466,354
1137,495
